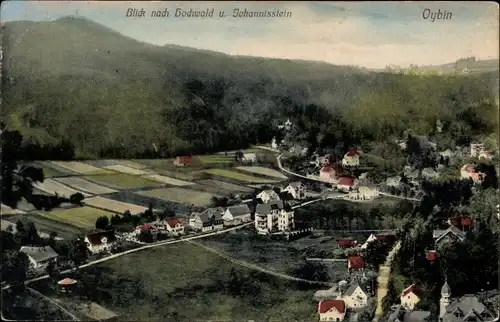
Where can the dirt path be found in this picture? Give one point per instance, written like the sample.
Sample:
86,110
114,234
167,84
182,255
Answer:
383,279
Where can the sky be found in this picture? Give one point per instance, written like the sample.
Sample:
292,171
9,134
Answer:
369,34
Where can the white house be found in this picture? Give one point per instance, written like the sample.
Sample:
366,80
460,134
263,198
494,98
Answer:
364,193
468,171
268,196
208,220
351,158
102,241
355,296
452,234
296,189
485,155
39,257
175,226
273,217
370,239
249,157
236,215
429,173
331,310
328,174
410,297
393,181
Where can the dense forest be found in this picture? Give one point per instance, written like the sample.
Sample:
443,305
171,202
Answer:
73,83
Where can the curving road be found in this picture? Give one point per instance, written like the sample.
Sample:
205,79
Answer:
260,269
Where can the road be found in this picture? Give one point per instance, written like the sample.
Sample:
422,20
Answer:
260,269
383,280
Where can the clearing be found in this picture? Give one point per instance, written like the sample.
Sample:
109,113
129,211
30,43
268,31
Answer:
202,285
237,176
82,217
185,196
80,167
263,171
84,185
122,180
225,186
124,169
113,205
168,180
53,187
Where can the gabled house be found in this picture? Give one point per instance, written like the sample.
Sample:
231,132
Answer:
355,296
386,238
461,222
249,157
296,189
410,297
268,195
346,183
273,217
236,215
102,241
364,193
355,264
452,234
181,161
411,174
351,158
393,181
468,171
331,310
208,220
149,228
476,149
328,174
175,226
39,257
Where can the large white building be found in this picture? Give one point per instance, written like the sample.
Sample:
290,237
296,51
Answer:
273,217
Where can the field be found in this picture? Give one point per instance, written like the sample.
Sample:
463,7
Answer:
185,196
225,186
214,159
53,187
80,167
6,210
130,164
237,176
81,217
198,282
263,171
122,181
113,205
48,226
168,180
124,169
84,185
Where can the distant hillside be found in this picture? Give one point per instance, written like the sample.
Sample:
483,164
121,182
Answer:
111,95
466,66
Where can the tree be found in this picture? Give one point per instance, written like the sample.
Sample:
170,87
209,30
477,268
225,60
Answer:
375,253
53,270
127,216
15,269
78,252
313,271
115,220
52,239
102,222
77,198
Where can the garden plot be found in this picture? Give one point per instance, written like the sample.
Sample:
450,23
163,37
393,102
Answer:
53,187
130,164
86,186
225,186
80,167
6,210
126,170
168,180
263,171
180,195
121,181
113,205
81,217
238,176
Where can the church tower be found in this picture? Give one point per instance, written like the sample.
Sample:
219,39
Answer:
445,300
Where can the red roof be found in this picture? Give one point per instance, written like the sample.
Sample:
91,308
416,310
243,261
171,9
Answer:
172,222
466,221
431,255
385,237
347,242
461,221
412,289
356,262
327,169
184,159
66,281
327,305
352,153
148,227
346,181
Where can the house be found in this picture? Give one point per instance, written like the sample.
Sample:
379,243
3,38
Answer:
351,158
446,154
346,183
274,144
175,226
364,193
296,189
102,241
321,161
468,171
268,195
411,175
452,234
288,125
393,181
439,126
236,215
182,161
208,220
410,297
476,149
328,174
39,257
347,242
273,217
355,296
355,264
429,173
147,228
331,310
461,222
249,157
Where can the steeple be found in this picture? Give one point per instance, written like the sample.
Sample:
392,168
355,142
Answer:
445,299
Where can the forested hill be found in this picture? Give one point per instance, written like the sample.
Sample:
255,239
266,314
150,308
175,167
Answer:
112,96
